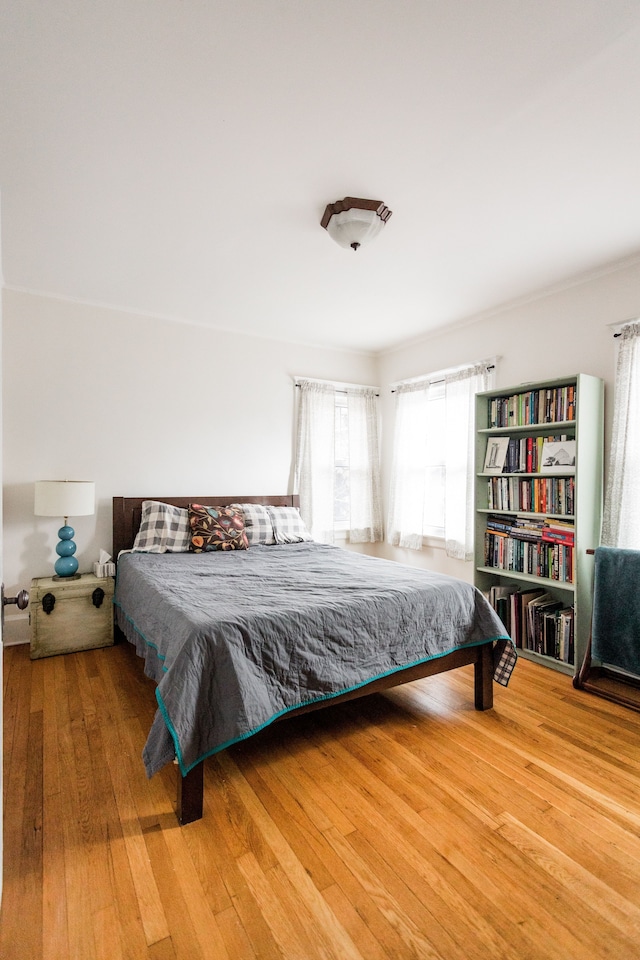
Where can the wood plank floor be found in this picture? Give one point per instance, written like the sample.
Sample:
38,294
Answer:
397,826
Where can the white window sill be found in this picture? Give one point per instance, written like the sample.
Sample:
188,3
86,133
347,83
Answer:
435,543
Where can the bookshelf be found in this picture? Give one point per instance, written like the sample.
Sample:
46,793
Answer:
537,513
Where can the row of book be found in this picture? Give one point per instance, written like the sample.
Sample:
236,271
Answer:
532,495
524,527
535,621
530,454
552,560
546,405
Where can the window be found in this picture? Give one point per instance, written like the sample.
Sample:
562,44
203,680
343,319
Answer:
341,489
621,524
431,476
434,428
337,460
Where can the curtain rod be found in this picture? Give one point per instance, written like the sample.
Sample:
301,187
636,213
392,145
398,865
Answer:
622,323
431,383
340,387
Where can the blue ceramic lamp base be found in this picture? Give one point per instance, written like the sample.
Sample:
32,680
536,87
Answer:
66,566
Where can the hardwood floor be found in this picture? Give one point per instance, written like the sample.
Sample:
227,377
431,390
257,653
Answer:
397,826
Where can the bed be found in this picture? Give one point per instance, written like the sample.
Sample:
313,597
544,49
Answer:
238,639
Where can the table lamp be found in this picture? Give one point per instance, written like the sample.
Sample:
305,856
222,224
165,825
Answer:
65,498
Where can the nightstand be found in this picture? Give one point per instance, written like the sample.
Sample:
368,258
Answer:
70,615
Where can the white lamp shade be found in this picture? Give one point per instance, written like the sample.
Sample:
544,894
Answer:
65,498
353,222
354,226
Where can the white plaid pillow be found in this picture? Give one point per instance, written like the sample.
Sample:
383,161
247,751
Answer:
163,529
257,522
288,525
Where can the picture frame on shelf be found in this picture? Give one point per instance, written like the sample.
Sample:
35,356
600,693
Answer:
558,456
496,455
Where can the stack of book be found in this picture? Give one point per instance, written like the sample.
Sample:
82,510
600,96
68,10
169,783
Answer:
541,547
558,531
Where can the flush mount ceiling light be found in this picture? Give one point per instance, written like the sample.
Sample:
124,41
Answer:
352,222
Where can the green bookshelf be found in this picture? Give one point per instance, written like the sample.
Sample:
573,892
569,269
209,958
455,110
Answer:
546,498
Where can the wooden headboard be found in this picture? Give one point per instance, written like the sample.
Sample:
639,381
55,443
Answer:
127,512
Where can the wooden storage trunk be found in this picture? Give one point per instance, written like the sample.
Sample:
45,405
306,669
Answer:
70,615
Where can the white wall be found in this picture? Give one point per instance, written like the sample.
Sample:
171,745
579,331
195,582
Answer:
150,407
559,333
1,658
143,407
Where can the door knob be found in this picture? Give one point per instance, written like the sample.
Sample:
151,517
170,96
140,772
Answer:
21,600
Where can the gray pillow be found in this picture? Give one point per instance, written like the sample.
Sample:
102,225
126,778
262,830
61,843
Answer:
163,529
288,525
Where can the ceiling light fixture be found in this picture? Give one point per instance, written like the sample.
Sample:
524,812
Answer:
352,222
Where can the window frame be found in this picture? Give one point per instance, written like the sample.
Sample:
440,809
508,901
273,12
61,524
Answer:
341,404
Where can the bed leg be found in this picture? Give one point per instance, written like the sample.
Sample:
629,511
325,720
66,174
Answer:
190,795
483,677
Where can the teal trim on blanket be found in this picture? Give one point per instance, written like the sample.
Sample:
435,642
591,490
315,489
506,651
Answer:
161,656
304,703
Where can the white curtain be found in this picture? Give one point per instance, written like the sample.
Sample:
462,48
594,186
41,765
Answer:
365,499
621,524
315,457
409,466
408,490
460,390
315,461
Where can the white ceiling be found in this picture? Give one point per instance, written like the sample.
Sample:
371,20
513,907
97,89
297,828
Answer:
174,157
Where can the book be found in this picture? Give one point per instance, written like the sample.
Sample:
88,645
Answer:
515,617
498,592
553,536
527,528
503,607
501,603
566,526
566,635
536,610
550,634
526,598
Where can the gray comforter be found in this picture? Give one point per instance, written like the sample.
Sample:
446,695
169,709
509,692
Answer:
236,639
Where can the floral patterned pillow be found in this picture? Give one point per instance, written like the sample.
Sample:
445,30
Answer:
216,528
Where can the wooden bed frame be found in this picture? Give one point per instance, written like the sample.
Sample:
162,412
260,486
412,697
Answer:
127,512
